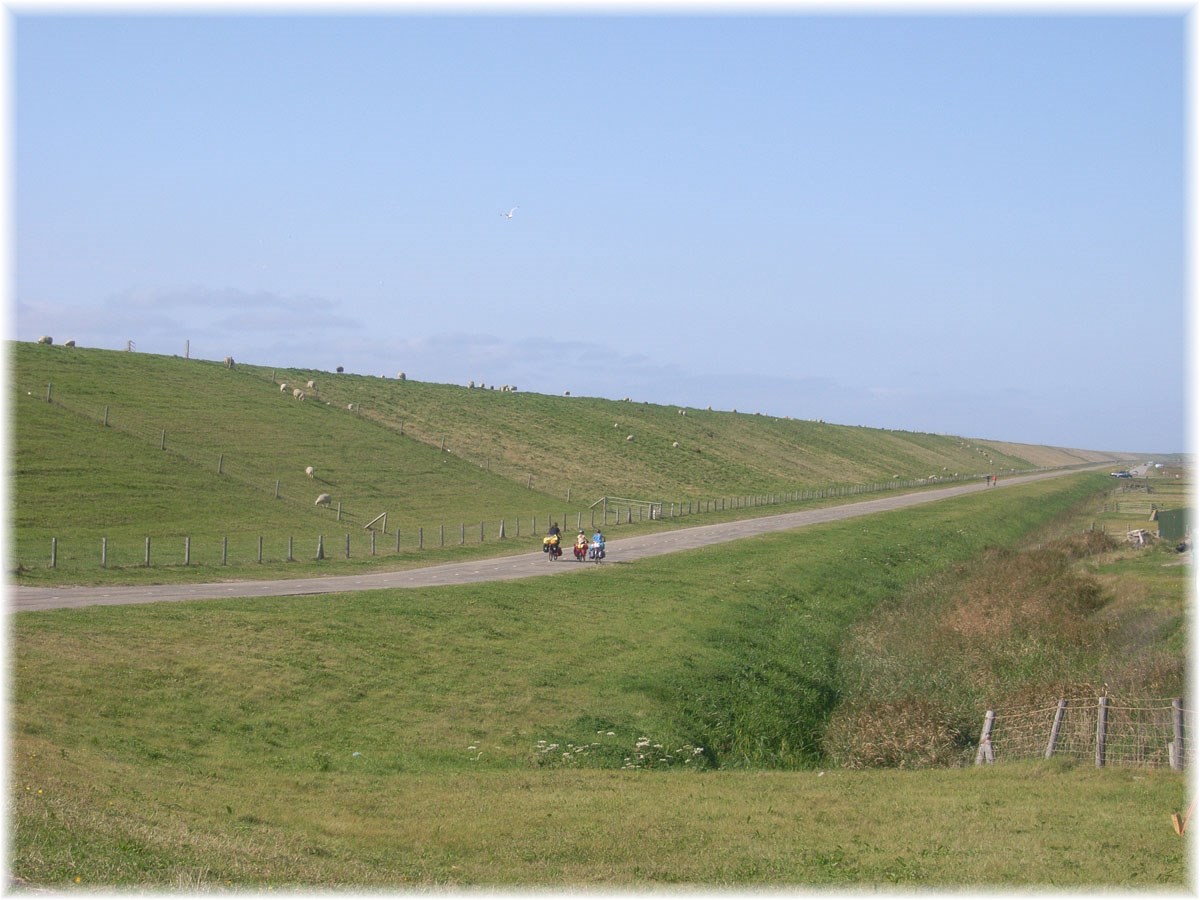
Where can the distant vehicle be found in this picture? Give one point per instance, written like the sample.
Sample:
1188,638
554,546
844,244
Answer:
1120,475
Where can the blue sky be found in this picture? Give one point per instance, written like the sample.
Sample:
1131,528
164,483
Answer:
968,224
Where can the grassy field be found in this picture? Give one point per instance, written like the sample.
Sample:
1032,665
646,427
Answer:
217,456
654,724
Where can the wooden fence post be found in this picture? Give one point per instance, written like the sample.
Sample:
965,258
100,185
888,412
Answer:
441,535
187,551
372,542
162,440
1177,728
260,540
225,550
104,553
105,416
347,545
1056,727
320,546
397,540
147,551
290,556
462,533
49,389
501,529
1101,732
421,538
985,753
53,552
220,463
276,488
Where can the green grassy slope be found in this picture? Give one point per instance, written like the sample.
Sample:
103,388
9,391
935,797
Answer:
582,442
426,454
461,735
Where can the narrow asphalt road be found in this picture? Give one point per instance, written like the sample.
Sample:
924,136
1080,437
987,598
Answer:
27,599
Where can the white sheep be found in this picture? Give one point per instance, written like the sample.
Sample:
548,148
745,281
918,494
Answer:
323,500
401,376
310,471
312,385
283,387
229,362
674,445
45,339
350,406
629,437
70,343
297,393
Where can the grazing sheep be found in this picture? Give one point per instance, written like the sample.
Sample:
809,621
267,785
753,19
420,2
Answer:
229,362
312,385
70,343
401,376
297,393
45,339
350,406
566,393
471,385
629,437
283,387
340,370
683,412
674,445
323,500
626,399
310,471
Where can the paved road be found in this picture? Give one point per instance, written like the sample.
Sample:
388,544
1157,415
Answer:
24,599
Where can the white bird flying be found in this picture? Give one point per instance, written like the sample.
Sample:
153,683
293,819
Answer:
508,215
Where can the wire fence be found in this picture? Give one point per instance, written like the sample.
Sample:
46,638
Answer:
296,489
1110,731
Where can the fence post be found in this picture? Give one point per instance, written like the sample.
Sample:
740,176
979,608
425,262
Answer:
49,389
501,529
105,416
1056,727
260,540
220,463
162,440
339,517
985,753
481,532
225,550
320,546
53,552
462,533
347,545
442,535
187,551
421,537
397,540
104,553
1177,727
290,556
276,488
1101,732
372,542
147,551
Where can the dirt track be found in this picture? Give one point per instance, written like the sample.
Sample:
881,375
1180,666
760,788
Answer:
24,599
